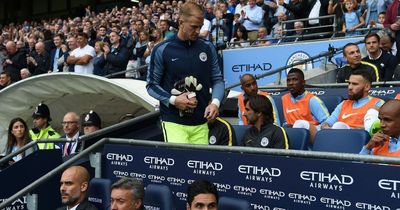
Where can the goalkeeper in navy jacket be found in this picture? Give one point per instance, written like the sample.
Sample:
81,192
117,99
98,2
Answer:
182,70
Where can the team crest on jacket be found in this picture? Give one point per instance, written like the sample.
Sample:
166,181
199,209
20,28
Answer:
203,56
213,140
264,141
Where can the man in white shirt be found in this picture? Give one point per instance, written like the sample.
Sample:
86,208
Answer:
82,56
252,18
205,29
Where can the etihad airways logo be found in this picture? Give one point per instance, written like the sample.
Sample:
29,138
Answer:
390,185
326,177
119,159
335,203
20,203
387,184
302,198
259,170
361,205
326,181
204,167
222,187
244,190
159,163
198,164
272,194
259,173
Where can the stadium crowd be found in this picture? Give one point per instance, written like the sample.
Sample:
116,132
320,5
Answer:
109,42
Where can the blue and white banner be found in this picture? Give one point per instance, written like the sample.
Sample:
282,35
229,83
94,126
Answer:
259,60
267,182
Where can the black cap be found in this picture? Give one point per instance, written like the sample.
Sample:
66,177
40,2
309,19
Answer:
92,118
42,110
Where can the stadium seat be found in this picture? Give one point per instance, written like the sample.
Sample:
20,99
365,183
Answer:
298,138
340,61
228,203
340,140
99,193
331,101
158,197
278,104
240,130
385,98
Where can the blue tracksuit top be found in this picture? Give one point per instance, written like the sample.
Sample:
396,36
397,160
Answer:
173,60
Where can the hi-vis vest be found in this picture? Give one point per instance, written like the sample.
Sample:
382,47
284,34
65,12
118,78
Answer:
384,150
355,117
46,133
299,110
242,106
398,96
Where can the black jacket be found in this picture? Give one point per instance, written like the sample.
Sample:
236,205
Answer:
43,63
386,65
18,63
270,136
117,61
345,72
86,205
221,133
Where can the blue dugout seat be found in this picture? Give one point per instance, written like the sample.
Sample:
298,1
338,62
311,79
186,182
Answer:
340,61
158,197
99,193
298,138
331,101
340,140
278,104
228,203
240,130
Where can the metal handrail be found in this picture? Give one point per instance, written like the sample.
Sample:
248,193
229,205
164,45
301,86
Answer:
337,85
82,138
52,173
17,152
127,70
236,149
314,27
307,19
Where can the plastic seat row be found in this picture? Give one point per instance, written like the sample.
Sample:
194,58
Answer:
156,197
326,140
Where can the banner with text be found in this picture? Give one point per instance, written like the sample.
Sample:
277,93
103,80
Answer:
259,60
267,182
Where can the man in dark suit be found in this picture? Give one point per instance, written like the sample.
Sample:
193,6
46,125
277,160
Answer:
15,62
74,186
71,128
39,62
